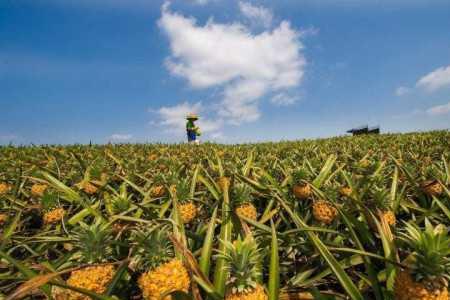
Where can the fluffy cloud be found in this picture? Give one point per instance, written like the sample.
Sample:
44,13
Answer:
121,137
244,65
439,110
402,90
435,80
173,118
258,15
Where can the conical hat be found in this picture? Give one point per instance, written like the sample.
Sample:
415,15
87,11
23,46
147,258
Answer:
192,116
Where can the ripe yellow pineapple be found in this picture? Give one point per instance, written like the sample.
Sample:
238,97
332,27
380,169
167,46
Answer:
188,211
158,191
94,243
324,211
186,207
242,201
38,190
302,191
54,215
244,270
224,182
94,278
3,218
429,267
4,188
301,188
389,217
161,272
346,191
169,277
432,188
247,210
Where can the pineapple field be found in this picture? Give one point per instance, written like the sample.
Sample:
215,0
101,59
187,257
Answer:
362,217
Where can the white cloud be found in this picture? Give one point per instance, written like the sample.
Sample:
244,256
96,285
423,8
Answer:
121,136
258,15
246,66
402,90
439,110
283,99
435,80
173,118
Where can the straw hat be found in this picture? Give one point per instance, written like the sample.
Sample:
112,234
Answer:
192,116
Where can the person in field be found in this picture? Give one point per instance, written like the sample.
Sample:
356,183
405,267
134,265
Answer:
192,130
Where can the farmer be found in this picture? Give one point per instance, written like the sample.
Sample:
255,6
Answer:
191,129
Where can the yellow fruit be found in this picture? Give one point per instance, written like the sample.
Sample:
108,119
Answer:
38,190
324,212
258,293
54,216
89,188
224,182
406,288
95,279
188,212
389,217
302,191
158,191
346,191
247,210
432,188
166,278
4,188
3,219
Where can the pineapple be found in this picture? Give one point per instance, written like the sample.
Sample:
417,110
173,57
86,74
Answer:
186,207
432,188
162,273
378,201
243,262
242,199
94,243
4,188
429,267
324,211
301,189
346,191
38,190
3,218
158,190
54,216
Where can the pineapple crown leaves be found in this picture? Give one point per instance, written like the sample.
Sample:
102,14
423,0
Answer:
49,201
183,190
94,241
152,247
243,257
119,201
431,250
241,193
300,175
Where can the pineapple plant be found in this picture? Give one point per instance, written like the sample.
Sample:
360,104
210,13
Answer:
186,207
161,272
243,260
426,277
301,188
242,199
158,190
94,245
346,191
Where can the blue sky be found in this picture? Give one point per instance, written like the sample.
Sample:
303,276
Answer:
128,71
